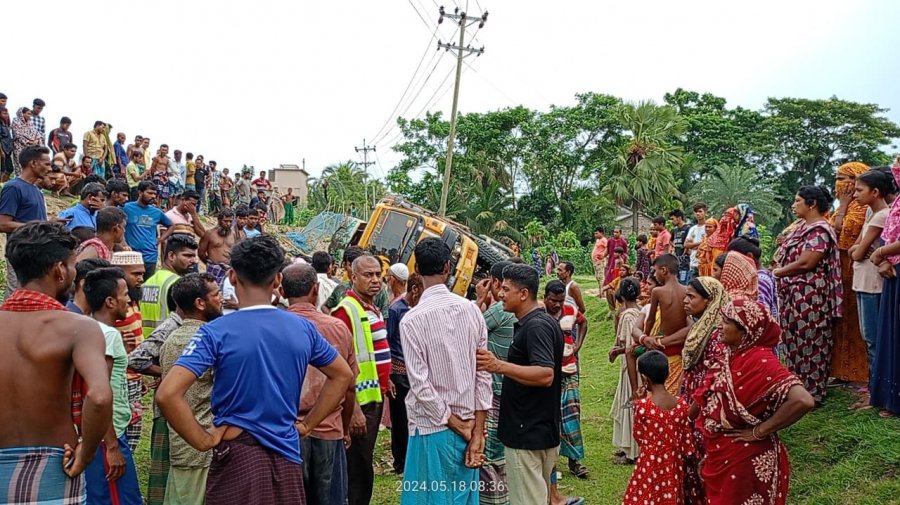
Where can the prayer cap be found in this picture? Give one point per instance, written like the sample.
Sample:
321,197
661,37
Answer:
400,271
127,258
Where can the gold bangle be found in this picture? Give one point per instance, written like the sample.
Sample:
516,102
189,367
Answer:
755,434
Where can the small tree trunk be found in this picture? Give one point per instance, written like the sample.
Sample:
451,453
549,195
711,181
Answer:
635,210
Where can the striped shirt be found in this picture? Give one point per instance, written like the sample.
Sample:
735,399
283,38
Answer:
440,336
500,334
132,334
379,339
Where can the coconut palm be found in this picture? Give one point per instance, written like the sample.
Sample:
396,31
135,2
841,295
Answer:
642,172
727,186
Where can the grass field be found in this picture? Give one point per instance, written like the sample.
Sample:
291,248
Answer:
837,456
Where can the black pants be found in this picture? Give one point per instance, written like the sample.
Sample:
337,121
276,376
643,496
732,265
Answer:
361,457
399,422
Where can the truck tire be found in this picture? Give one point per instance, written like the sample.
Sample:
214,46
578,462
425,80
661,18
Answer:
488,255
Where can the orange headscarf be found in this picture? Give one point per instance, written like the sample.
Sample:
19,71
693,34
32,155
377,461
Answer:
705,252
856,212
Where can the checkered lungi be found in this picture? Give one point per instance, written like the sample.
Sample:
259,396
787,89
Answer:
159,462
571,444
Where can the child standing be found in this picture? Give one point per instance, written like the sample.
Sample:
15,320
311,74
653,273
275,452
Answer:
628,331
661,429
667,300
642,260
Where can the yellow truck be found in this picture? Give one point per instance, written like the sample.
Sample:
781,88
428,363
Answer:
396,226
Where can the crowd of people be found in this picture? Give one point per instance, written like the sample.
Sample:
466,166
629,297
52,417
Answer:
273,374
720,352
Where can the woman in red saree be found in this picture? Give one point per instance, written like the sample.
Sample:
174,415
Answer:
748,397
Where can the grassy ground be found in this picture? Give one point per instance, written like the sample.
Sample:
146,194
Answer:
838,457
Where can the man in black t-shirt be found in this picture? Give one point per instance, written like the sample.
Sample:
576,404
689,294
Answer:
679,237
530,416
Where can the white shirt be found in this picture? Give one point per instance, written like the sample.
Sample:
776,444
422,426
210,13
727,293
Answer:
697,233
228,292
326,287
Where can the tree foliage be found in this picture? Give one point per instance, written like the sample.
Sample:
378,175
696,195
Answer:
571,166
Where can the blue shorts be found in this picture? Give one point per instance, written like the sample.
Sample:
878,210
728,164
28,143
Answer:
124,491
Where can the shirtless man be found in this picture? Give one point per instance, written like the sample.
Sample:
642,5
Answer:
42,459
66,158
226,184
667,300
215,247
159,172
138,140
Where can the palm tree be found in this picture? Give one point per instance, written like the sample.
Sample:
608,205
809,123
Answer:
642,172
727,186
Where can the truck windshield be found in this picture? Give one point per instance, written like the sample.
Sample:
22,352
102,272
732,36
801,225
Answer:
392,233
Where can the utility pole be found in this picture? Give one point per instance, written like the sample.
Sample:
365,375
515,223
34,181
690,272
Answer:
365,150
462,51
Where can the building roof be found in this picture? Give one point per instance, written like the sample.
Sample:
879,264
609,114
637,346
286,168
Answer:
284,166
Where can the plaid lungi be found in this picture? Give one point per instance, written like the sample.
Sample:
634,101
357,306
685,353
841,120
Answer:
34,476
494,489
243,472
133,430
159,462
571,444
218,271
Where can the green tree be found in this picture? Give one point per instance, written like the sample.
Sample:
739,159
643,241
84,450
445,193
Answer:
815,136
342,186
727,186
642,171
566,146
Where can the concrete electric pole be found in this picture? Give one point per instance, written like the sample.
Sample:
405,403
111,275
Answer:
462,51
365,164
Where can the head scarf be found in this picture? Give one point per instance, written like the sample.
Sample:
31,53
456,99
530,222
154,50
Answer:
856,212
739,277
702,330
26,133
725,231
761,330
746,225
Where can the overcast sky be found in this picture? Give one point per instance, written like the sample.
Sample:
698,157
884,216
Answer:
268,82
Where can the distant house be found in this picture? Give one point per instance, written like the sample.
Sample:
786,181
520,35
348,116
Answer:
291,176
624,221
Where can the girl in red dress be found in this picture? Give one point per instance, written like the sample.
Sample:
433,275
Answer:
661,428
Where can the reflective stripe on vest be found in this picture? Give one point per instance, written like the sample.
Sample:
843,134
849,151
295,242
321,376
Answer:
153,299
368,389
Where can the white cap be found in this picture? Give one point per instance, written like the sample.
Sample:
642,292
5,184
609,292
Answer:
126,258
400,271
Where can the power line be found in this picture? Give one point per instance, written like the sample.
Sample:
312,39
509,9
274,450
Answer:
427,25
405,91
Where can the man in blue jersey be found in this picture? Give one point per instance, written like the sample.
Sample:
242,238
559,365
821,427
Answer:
141,230
259,356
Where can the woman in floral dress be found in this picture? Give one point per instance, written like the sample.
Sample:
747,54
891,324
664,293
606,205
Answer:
810,290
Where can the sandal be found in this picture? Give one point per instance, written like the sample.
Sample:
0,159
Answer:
887,414
578,469
574,500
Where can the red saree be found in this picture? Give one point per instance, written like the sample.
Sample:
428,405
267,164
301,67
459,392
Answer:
742,390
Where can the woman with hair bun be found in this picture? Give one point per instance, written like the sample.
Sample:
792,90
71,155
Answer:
810,290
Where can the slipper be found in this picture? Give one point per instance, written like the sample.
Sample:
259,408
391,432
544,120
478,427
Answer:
574,500
887,414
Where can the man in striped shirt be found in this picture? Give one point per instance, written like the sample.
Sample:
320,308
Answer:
358,311
448,399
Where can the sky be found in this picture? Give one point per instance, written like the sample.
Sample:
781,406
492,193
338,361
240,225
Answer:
265,83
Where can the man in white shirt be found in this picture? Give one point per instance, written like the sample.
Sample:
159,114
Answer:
696,235
324,265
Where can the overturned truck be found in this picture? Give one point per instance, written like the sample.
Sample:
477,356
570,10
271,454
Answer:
393,231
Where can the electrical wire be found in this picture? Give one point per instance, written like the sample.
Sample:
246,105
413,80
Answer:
405,91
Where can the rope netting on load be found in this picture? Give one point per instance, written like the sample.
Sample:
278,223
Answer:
328,231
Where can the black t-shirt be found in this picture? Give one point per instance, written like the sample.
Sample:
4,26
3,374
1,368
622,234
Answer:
530,416
679,237
200,178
